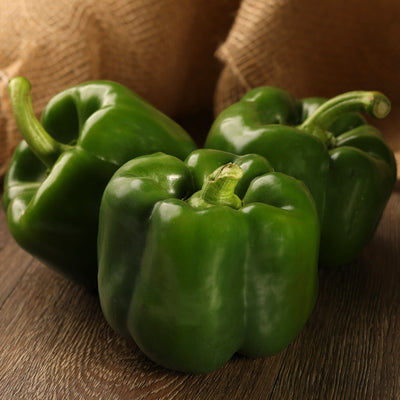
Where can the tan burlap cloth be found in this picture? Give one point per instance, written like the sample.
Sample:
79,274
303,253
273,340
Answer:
185,56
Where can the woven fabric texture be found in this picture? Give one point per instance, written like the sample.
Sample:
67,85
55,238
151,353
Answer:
312,48
162,49
187,55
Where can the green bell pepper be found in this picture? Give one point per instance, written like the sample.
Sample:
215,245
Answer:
346,164
204,258
54,184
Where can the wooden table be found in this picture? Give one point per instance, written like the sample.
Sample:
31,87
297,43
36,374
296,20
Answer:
55,344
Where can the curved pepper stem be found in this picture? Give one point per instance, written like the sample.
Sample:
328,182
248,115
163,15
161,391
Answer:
219,189
45,147
375,104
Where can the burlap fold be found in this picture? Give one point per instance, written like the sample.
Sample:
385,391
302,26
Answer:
312,48
162,49
172,51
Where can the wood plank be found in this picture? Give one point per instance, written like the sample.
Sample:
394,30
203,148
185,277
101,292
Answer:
55,344
350,346
14,261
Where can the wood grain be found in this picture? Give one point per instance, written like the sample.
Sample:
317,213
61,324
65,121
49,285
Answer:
55,344
14,261
354,346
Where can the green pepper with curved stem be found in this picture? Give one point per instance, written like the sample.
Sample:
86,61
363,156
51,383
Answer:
204,258
346,164
56,178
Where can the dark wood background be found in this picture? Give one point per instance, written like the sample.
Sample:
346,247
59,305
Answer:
55,344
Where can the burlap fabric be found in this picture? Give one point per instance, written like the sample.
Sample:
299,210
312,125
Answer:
312,47
162,49
188,55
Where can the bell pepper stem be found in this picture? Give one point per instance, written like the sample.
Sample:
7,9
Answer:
219,189
45,147
374,103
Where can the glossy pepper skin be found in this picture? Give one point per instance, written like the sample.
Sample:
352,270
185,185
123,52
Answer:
346,164
56,178
204,258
